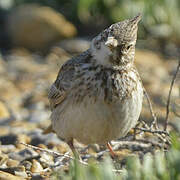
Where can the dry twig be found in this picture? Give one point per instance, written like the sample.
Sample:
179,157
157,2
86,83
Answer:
153,131
51,152
169,97
136,145
154,122
59,154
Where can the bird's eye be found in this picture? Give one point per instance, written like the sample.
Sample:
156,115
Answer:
128,47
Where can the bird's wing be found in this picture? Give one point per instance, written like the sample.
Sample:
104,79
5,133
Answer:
61,86
66,79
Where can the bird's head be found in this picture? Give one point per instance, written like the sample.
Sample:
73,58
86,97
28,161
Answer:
116,44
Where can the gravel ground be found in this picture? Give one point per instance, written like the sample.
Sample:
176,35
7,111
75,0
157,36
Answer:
25,79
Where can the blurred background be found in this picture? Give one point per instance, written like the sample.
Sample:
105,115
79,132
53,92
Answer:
38,36
22,21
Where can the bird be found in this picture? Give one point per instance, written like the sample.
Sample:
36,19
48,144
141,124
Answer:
97,95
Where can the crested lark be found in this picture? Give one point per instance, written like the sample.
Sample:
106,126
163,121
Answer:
97,96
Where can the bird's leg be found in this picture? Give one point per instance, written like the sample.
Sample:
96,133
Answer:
71,145
111,150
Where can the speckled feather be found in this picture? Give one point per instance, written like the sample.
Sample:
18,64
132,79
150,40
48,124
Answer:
97,95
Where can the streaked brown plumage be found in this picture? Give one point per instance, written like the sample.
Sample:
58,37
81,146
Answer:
97,96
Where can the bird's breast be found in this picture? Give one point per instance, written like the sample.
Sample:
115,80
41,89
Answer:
97,121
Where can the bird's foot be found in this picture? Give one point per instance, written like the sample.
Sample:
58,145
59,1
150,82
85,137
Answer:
112,153
74,151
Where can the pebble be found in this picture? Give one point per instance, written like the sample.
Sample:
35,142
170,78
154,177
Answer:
5,129
24,139
38,116
38,138
8,176
46,160
21,172
37,176
36,167
12,163
3,159
4,113
7,148
8,139
23,154
27,165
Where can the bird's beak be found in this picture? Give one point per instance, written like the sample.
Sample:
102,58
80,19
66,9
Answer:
111,42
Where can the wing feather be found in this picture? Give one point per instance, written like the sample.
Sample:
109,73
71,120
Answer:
55,96
66,79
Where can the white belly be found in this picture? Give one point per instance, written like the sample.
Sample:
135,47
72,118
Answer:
99,122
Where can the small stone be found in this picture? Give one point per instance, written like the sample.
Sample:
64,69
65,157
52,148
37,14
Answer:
3,159
4,113
37,176
12,163
21,172
7,148
24,139
94,148
23,154
38,116
39,138
46,160
27,165
48,27
123,153
20,127
42,146
18,170
12,170
36,167
8,139
4,130
8,176
62,148
8,90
